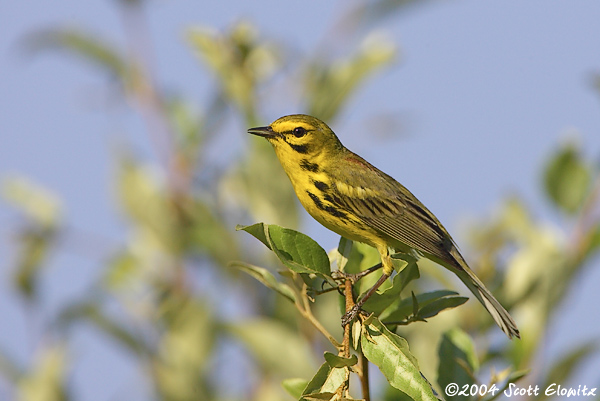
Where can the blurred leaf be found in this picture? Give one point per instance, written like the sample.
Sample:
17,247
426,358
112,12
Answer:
390,353
185,349
259,184
513,377
457,361
43,207
188,127
277,348
92,313
325,383
591,241
9,368
297,251
336,361
294,387
47,379
42,210
563,369
144,199
34,248
238,59
206,232
265,277
567,179
87,46
375,12
122,271
331,85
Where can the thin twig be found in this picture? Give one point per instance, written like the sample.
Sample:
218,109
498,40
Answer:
303,305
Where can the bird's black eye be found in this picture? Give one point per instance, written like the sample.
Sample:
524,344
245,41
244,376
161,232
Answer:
299,132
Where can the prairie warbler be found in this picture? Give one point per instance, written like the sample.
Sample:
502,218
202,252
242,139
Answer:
351,197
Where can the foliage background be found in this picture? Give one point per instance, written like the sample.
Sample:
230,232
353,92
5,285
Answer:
484,91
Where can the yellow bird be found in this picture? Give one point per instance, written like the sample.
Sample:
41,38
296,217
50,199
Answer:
354,199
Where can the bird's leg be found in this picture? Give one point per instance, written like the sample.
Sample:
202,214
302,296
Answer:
351,314
388,268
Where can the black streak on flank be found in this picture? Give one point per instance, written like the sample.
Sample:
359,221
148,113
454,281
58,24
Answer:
321,186
308,166
329,209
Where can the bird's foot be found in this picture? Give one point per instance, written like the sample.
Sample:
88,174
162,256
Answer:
352,314
343,276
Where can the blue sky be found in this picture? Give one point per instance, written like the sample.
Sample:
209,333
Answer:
484,92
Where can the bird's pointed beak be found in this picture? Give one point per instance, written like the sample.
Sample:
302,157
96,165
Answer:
266,132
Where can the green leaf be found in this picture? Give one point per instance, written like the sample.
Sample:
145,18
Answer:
294,386
438,305
390,353
265,277
336,361
457,361
344,250
567,179
324,383
295,250
404,309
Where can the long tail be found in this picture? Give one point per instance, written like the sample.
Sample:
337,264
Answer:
500,315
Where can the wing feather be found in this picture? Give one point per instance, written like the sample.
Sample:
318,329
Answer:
387,206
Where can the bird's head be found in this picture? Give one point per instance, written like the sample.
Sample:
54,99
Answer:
300,137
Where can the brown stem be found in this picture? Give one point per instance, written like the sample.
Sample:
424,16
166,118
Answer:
364,378
349,306
344,390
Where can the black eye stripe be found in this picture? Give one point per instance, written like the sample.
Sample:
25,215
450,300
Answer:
302,149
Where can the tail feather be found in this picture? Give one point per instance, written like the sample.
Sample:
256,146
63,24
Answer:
499,314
